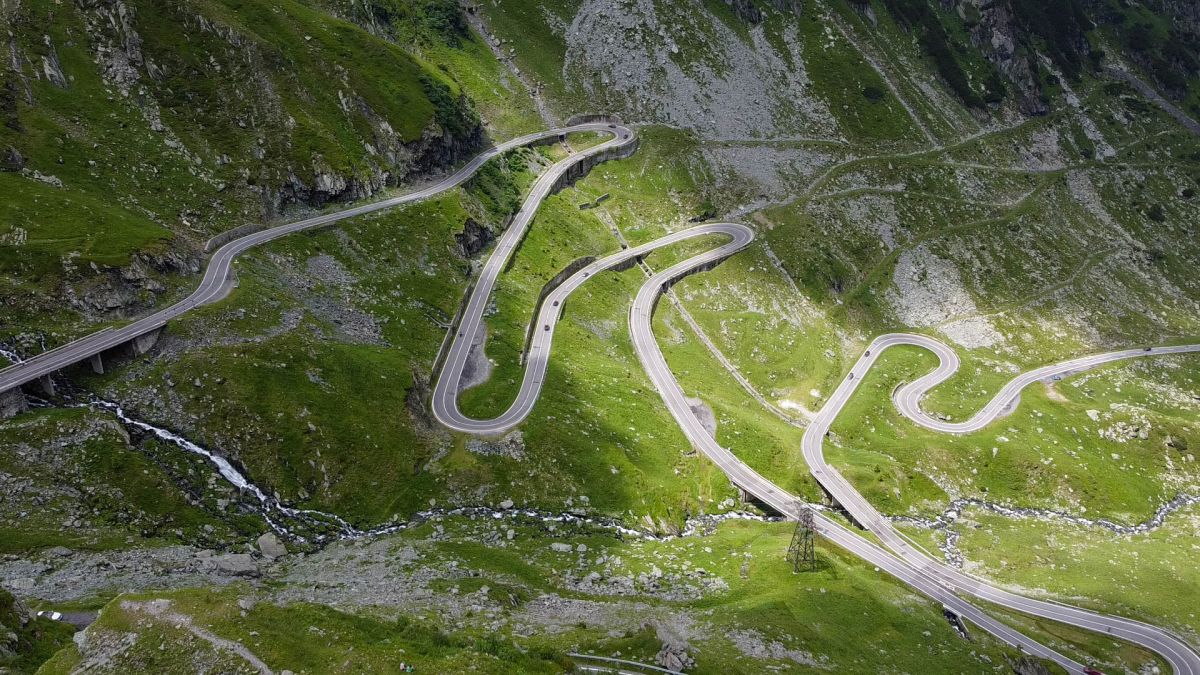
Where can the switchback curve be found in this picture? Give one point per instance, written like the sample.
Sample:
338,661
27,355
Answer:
1182,658
911,566
216,282
445,407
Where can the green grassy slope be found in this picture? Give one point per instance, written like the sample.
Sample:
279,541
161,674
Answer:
880,202
172,123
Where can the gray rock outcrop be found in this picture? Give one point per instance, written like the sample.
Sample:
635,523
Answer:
674,657
997,35
237,564
474,238
12,403
11,160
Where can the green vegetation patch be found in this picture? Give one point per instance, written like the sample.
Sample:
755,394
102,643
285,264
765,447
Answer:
27,641
858,97
1144,576
1076,447
82,483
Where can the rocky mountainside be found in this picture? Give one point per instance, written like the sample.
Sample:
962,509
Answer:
1016,178
134,131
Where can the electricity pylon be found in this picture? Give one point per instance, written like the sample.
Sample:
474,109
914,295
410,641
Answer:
801,553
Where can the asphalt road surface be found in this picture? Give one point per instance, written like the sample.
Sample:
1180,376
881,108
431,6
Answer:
445,392
909,564
1181,657
906,562
908,397
909,569
216,283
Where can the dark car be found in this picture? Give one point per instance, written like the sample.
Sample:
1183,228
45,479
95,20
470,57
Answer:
547,327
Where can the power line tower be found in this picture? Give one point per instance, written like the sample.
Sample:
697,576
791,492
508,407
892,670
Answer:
801,553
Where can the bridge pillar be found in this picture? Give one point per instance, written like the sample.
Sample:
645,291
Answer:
97,364
46,384
956,622
12,403
144,343
748,499
828,495
833,504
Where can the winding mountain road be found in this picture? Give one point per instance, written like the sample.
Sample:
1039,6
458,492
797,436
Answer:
908,397
904,561
445,392
1181,657
217,283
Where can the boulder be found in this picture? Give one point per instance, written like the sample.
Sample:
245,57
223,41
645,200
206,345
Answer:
270,546
12,403
674,657
11,160
237,564
1028,665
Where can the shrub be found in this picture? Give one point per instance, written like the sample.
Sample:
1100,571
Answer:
455,114
872,93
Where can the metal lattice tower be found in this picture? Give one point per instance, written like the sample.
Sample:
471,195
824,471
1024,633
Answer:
801,553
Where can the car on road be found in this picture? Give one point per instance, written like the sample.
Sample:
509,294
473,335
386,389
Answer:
556,303
547,327
53,616
868,353
612,126
1092,671
1147,349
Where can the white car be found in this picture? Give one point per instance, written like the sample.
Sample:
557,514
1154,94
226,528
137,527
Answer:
53,616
